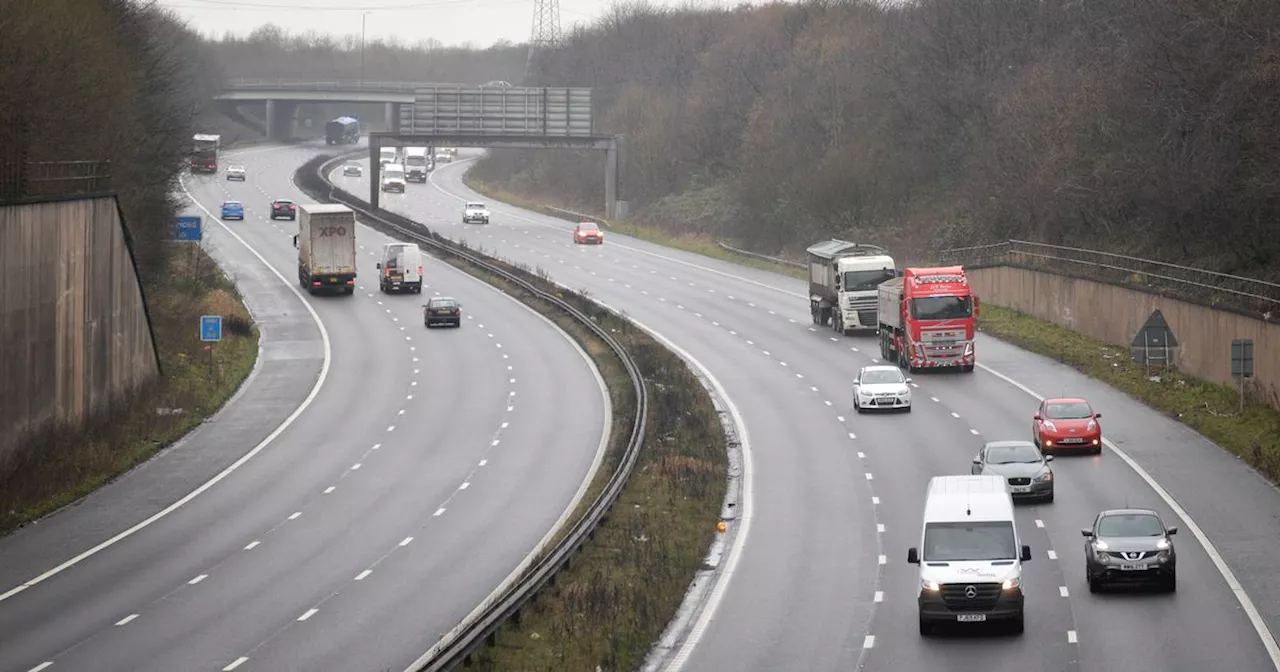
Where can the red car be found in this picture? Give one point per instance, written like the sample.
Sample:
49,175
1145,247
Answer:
1067,424
587,232
283,208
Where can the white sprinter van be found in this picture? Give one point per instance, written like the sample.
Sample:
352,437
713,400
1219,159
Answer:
400,269
970,555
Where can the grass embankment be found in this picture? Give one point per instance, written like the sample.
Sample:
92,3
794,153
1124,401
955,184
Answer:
689,242
66,464
1209,408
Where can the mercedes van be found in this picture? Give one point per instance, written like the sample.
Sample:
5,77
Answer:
970,555
400,269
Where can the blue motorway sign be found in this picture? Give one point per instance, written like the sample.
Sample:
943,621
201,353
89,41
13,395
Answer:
211,327
187,229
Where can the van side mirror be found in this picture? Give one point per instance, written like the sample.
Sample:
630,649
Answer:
1087,532
378,266
295,240
977,460
1026,553
1048,458
908,380
913,555
1171,531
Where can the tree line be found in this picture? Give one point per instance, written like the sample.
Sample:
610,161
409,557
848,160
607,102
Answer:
1141,126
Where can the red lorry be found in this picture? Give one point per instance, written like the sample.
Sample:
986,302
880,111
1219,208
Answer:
927,319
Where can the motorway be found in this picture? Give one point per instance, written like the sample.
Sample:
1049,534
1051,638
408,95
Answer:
423,472
821,579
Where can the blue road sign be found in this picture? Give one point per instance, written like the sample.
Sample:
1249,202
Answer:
187,229
211,327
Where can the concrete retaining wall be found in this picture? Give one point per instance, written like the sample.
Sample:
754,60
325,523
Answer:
74,332
1114,315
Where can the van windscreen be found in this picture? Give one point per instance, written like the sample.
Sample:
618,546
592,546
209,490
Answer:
964,541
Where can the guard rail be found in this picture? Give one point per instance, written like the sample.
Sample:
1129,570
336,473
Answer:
757,255
458,645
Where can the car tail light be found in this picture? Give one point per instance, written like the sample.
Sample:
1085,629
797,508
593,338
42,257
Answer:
351,282
419,269
315,284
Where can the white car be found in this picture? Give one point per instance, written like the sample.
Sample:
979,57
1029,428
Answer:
352,169
475,212
881,387
235,173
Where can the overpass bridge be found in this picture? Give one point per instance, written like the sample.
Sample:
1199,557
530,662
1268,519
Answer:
282,96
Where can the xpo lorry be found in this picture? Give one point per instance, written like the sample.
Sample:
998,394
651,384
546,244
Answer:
843,277
928,318
326,243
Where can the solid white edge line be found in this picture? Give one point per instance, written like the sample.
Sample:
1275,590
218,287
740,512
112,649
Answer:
1246,603
596,461
315,390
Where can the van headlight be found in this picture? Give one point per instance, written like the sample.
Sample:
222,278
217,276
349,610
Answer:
928,585
1010,584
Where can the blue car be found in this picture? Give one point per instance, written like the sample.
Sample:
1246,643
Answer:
232,210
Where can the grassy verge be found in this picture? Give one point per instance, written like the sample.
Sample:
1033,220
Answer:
65,464
697,244
1209,408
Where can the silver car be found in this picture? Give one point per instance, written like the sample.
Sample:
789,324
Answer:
235,173
1021,464
1130,546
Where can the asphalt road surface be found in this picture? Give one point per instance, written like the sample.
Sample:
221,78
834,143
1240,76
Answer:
427,467
823,581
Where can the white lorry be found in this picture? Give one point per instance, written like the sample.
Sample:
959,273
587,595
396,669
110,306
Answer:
843,278
400,269
326,243
416,164
386,155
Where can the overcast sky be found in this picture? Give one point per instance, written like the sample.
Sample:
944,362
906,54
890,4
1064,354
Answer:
452,22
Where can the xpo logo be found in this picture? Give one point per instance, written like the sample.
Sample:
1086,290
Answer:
338,231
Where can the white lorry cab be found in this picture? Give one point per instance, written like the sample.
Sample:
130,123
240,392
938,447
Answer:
387,155
400,269
970,555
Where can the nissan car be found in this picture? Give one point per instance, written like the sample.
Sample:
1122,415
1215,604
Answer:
1067,424
881,388
1130,546
1021,464
283,209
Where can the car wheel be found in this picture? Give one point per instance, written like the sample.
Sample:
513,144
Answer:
926,628
857,407
1049,499
1171,582
1097,451
1094,584
907,409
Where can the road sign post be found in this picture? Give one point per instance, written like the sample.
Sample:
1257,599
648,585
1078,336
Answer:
210,333
189,229
1154,342
1241,364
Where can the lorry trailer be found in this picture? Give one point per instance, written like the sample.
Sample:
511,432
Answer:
326,243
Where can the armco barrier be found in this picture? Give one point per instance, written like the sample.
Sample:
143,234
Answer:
459,644
757,255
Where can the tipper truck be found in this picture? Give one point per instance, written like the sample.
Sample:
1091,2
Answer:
928,318
326,243
843,277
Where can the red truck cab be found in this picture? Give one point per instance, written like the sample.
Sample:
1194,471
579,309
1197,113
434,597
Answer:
928,318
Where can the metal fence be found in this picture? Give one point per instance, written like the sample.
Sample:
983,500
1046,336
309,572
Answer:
1219,290
35,179
322,84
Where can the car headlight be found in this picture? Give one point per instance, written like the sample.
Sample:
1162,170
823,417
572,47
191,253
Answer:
1045,477
1050,426
928,585
1163,544
1010,584
904,393
1091,426
1100,545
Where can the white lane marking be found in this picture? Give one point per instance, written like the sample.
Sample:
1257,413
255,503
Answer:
198,579
879,527
852,435
884,560
875,500
766,352
869,642
862,455
355,466
954,414
811,386
840,418
879,597
126,619
238,662
1071,637
934,398
315,390
391,428
973,431
782,363
1039,523
361,576
439,511
495,442
1062,590
295,515
409,540
41,666
869,476
827,402
484,462
465,485
252,545
329,489
307,614
1053,555
1246,603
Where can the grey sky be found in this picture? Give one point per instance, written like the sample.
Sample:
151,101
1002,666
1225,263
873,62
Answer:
452,22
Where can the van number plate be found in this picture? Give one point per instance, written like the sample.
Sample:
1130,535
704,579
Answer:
1142,567
971,618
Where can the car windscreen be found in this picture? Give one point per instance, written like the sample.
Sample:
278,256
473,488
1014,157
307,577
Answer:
475,206
1068,411
941,307
948,542
1018,453
588,227
1130,525
881,377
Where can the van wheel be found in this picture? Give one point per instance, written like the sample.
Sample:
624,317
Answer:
1017,625
926,628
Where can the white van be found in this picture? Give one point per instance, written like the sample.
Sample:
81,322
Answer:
400,269
970,554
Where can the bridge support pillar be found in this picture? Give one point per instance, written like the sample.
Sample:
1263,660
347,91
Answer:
271,120
281,118
391,117
375,170
611,179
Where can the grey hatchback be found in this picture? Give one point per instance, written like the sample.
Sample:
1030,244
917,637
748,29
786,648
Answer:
1130,545
1021,464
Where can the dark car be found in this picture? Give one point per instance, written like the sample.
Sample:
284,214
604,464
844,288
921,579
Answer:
1021,464
283,209
1130,546
442,310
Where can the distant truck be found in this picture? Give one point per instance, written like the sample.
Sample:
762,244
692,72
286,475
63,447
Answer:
326,243
387,155
928,319
416,164
843,277
342,131
204,152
